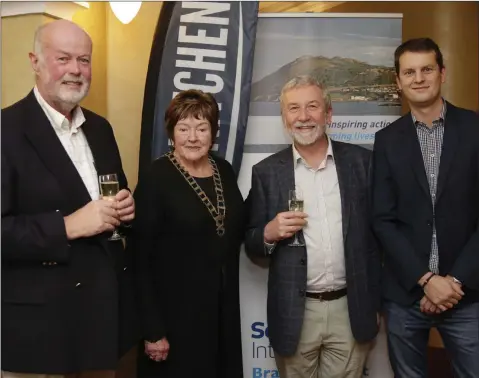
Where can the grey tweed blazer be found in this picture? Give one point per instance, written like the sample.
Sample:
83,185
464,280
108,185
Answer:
271,180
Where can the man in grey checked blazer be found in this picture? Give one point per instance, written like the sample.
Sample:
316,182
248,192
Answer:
324,296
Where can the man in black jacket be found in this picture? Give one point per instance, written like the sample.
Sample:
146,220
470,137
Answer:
64,284
426,216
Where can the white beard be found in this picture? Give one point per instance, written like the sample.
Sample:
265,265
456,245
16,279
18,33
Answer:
306,139
72,96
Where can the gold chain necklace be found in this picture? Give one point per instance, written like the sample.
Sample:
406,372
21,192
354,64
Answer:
219,213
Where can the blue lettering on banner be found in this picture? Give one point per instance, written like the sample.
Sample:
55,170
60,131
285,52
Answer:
259,330
265,373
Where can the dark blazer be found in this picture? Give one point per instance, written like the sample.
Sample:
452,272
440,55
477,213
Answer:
403,212
61,300
271,180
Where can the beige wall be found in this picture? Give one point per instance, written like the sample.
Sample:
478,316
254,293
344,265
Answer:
17,41
128,51
93,20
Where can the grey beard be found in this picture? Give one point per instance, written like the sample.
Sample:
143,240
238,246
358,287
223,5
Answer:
310,139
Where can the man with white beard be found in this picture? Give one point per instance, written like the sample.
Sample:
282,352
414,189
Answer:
323,291
66,287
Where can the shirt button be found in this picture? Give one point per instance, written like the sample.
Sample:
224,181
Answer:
434,194
432,175
433,155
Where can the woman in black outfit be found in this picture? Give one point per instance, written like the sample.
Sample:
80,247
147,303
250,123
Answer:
187,235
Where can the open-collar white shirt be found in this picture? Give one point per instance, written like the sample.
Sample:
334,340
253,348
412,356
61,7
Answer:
323,233
74,141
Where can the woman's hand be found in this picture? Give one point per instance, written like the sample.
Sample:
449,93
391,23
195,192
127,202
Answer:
157,351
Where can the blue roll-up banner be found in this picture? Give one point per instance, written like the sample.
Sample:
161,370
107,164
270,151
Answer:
207,46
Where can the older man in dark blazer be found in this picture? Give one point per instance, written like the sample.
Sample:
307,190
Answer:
323,296
426,216
64,284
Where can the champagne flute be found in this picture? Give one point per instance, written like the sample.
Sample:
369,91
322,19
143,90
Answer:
109,188
296,203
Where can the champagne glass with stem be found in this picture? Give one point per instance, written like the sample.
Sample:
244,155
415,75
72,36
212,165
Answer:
296,203
109,188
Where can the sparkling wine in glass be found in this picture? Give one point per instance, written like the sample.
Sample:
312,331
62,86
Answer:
109,188
296,203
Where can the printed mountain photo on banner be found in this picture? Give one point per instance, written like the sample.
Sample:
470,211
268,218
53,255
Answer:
347,79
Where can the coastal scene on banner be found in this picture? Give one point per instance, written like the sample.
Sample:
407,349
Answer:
352,56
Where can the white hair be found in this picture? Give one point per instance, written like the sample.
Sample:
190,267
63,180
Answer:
302,81
38,42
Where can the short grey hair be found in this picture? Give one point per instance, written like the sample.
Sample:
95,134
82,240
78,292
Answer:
302,81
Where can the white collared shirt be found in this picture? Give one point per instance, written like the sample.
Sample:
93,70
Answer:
75,143
323,233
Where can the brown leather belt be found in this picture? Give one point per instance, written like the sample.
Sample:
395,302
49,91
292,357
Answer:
327,295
